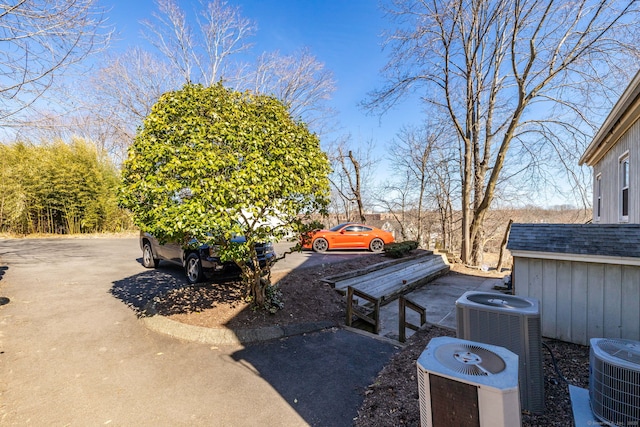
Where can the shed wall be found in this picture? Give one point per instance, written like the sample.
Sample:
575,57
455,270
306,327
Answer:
579,300
608,169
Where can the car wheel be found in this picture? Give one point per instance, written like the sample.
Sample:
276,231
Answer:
148,260
320,245
193,269
376,245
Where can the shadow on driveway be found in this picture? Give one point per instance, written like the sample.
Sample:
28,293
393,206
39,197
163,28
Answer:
322,375
138,290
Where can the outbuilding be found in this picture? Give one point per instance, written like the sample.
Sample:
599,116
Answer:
587,276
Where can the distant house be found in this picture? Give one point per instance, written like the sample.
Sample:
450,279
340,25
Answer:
587,276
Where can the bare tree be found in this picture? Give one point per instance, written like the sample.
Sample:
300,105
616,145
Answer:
412,155
398,199
300,81
123,92
352,176
200,54
39,40
421,160
517,79
111,105
443,193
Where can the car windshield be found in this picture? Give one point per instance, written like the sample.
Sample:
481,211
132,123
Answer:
338,227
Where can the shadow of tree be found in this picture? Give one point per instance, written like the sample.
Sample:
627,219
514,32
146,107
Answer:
177,295
138,290
321,374
191,299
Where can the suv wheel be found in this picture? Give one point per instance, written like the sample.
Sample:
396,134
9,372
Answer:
193,269
148,261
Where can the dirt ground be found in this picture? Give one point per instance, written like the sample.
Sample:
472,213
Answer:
392,399
306,299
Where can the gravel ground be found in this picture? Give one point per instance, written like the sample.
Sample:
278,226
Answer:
392,399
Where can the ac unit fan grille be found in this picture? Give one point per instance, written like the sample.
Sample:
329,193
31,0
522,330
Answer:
469,359
614,391
624,350
499,300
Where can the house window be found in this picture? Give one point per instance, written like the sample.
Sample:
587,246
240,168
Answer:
624,187
598,197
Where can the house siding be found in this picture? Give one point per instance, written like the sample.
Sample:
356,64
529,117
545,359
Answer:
581,300
607,168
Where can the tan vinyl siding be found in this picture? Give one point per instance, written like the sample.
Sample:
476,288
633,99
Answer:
608,169
580,300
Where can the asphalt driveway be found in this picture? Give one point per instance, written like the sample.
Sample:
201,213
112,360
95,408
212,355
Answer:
73,351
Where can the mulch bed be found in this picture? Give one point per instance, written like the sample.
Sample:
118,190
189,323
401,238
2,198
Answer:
392,399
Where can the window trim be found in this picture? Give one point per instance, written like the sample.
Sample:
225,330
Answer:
623,186
598,198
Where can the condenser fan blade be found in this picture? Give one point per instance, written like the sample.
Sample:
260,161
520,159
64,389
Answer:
470,359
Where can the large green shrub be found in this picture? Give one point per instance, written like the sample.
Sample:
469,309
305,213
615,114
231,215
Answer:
211,162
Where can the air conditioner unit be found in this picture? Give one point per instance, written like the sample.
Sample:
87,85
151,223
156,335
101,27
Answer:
614,381
463,383
512,322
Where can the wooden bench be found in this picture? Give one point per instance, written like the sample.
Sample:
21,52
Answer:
389,280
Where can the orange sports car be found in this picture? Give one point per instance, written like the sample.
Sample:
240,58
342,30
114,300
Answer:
348,236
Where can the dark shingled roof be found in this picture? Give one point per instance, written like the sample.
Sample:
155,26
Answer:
621,240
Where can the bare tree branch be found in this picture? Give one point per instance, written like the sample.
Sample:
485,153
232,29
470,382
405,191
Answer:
500,69
199,54
40,40
300,81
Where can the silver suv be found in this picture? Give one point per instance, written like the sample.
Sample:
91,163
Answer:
199,262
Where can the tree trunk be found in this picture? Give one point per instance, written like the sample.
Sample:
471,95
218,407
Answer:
356,189
465,250
257,290
503,246
254,276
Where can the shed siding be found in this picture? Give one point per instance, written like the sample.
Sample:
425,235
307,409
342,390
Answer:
579,296
563,326
549,298
612,300
607,168
579,300
630,309
595,296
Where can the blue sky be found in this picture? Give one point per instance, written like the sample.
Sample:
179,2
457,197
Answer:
344,35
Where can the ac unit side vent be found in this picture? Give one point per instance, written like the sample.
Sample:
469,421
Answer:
512,322
463,383
453,403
